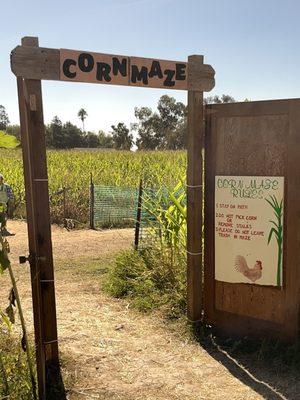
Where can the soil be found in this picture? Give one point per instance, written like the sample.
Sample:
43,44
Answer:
113,352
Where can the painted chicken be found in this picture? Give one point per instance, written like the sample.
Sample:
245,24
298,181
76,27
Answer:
241,266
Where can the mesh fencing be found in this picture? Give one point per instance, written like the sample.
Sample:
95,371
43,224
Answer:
113,206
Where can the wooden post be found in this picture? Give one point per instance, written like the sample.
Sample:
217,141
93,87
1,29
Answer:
64,202
194,195
39,232
138,217
92,201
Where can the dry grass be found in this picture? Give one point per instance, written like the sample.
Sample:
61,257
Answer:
113,352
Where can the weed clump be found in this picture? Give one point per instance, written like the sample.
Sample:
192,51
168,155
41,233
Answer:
15,379
155,276
150,278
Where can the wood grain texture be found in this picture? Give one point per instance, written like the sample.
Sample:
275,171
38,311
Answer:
248,139
35,63
47,64
41,260
35,286
194,200
292,234
39,230
201,77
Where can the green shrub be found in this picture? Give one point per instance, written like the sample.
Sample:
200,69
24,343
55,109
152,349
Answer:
15,371
150,278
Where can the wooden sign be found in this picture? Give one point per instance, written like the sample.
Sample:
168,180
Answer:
249,229
82,66
121,70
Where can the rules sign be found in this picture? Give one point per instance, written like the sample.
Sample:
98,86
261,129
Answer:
249,229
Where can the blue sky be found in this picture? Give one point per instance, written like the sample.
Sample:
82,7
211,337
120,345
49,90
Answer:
253,45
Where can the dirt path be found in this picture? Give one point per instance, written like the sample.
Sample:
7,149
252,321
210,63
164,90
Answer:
72,244
116,352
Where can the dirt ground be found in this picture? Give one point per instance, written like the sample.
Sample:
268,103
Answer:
114,352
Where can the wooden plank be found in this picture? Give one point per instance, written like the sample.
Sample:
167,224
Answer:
92,203
201,77
138,217
81,66
259,302
41,259
159,74
35,285
194,200
237,326
209,216
42,245
292,235
90,67
35,63
260,138
250,108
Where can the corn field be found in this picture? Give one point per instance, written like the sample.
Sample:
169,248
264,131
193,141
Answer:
72,169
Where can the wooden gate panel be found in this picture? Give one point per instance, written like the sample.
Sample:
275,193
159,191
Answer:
253,139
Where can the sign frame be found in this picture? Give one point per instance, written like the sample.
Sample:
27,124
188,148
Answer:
249,221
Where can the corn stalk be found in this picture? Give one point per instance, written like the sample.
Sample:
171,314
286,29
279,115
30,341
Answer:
168,208
277,232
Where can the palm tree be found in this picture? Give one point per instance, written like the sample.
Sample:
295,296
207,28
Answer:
82,114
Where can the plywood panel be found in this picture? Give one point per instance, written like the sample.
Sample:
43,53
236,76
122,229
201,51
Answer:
265,303
256,138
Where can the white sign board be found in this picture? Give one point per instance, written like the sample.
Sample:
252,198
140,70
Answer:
249,229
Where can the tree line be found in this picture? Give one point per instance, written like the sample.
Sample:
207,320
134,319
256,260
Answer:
162,129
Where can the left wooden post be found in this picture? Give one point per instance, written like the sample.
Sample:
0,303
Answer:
39,233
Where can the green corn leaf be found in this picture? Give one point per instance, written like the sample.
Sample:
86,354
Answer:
4,261
272,231
5,319
271,204
10,313
8,141
276,225
178,205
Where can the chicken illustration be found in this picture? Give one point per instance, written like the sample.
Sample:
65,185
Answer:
241,266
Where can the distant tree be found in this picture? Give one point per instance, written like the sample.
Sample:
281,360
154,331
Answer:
4,120
82,114
225,98
54,134
91,140
63,136
105,141
73,136
164,129
14,130
123,140
146,128
173,123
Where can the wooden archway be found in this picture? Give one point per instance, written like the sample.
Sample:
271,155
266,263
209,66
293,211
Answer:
31,64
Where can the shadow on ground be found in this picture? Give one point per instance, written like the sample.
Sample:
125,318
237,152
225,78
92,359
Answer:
273,371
